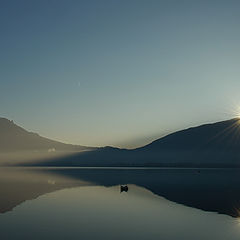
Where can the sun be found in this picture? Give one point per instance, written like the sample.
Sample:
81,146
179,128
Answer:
236,111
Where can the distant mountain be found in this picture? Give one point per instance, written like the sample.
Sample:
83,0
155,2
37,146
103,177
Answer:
209,145
14,138
216,144
218,136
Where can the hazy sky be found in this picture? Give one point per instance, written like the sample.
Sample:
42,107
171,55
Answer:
118,72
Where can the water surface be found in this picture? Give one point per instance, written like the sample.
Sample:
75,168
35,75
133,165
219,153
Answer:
87,204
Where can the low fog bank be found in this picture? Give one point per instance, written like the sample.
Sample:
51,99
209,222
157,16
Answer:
113,157
32,157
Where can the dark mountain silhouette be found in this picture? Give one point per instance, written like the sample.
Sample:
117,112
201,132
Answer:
209,145
14,139
223,135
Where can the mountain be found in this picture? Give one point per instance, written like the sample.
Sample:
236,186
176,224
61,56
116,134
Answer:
216,144
16,139
209,145
218,136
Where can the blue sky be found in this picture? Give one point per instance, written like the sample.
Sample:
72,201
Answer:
118,73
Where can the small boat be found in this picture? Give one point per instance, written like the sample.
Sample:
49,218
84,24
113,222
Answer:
123,188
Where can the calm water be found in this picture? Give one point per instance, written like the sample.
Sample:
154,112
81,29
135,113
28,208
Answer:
87,204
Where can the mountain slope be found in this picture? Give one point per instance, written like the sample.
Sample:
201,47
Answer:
14,138
223,135
209,145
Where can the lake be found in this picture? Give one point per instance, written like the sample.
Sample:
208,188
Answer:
86,203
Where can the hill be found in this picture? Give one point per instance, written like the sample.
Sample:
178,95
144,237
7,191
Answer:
209,145
16,139
223,135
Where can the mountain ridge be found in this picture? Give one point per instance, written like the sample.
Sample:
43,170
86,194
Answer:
208,145
212,131
16,138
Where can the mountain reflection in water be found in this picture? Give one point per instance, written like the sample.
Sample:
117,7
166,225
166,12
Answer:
215,190
80,210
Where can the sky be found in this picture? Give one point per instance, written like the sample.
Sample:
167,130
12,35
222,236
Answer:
118,72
